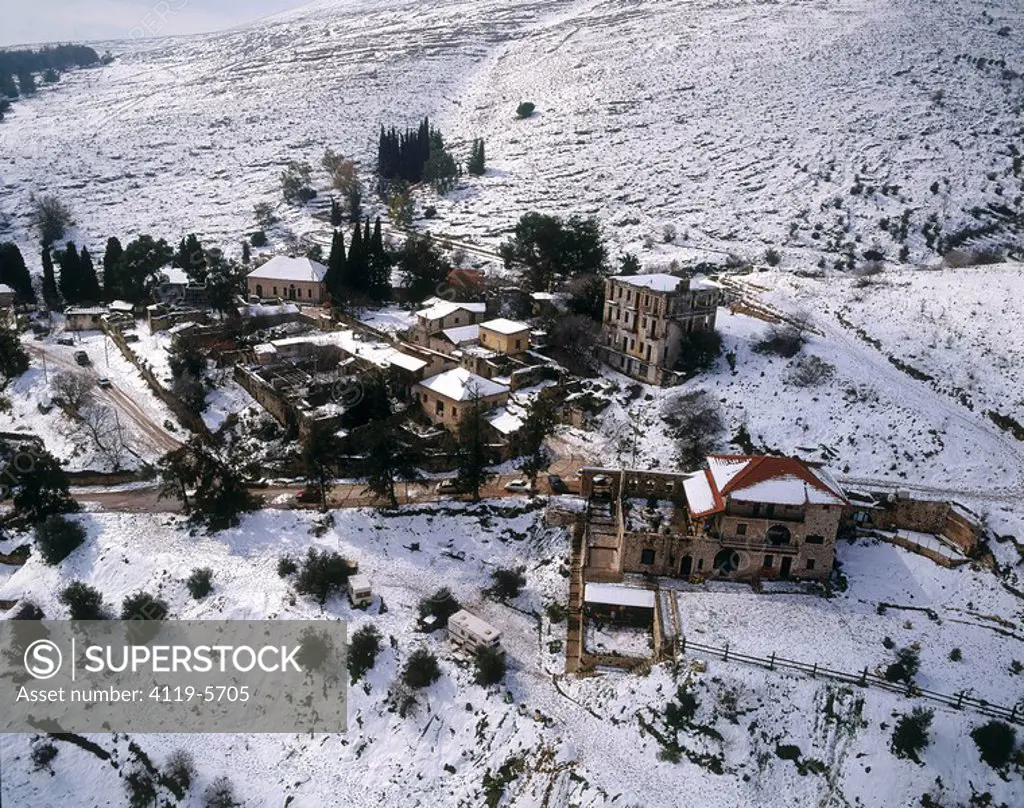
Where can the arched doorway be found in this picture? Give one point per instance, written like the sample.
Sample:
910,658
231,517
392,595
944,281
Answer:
777,534
686,566
259,290
726,561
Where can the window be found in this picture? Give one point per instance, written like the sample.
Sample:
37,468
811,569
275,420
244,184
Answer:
309,293
455,412
769,562
700,563
456,321
519,344
815,540
647,557
275,290
769,511
810,563
741,529
439,407
259,290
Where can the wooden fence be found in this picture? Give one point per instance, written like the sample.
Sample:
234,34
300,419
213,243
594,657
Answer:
865,678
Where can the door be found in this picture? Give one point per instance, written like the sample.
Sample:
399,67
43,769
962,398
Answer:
686,567
784,569
291,293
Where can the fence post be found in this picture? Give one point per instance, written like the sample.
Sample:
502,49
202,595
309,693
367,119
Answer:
864,677
960,700
771,662
815,671
725,656
683,649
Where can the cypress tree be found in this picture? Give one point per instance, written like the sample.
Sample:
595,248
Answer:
335,278
112,283
50,296
15,274
356,270
246,253
335,213
380,266
70,274
90,285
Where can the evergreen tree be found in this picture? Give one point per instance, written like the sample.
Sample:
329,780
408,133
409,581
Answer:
112,284
477,160
13,357
26,82
70,274
472,460
90,285
422,265
37,489
191,257
549,248
531,437
357,271
336,278
320,450
15,274
138,270
388,460
221,495
355,204
335,213
380,266
246,253
50,296
8,87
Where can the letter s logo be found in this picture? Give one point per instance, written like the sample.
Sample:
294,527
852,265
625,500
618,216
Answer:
43,659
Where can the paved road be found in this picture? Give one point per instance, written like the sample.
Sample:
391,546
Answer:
345,495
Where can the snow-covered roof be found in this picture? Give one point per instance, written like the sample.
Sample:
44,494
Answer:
358,582
502,325
462,333
655,281
88,310
122,305
543,295
5,289
407,362
770,480
505,422
436,308
461,385
701,283
474,625
617,595
283,268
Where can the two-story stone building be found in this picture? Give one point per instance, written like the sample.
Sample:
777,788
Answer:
743,517
646,318
437,315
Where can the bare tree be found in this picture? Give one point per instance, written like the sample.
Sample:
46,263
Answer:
695,421
74,388
344,175
51,218
100,427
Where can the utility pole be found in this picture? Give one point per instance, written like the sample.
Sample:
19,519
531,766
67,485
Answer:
106,355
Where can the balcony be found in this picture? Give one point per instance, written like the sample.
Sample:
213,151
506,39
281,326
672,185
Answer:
755,545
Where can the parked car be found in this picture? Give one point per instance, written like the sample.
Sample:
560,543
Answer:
82,358
518,485
65,340
447,487
103,382
308,494
557,484
131,337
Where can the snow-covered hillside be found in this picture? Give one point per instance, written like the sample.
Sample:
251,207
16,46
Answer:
742,124
581,741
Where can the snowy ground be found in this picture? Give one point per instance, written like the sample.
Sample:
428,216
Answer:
741,124
582,739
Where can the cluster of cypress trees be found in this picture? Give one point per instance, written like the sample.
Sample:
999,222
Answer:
403,155
477,163
365,270
78,281
14,272
49,61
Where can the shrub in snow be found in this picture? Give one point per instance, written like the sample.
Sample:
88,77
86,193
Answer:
910,735
286,566
785,341
810,371
772,257
57,538
362,651
525,109
143,606
698,351
955,655
323,574
556,612
905,667
995,741
179,772
140,787
258,239
220,794
508,583
421,669
29,611
43,755
440,606
83,601
200,582
490,666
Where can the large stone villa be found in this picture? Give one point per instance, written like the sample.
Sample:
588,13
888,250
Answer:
646,318
744,518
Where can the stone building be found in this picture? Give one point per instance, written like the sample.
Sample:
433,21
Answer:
505,336
298,279
447,396
646,318
439,315
744,517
